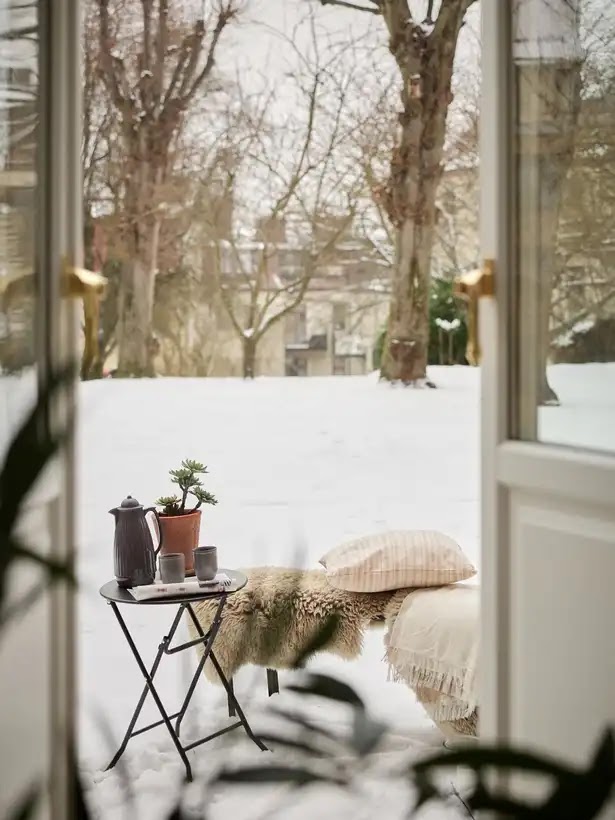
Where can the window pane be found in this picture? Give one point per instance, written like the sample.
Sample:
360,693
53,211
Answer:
564,64
18,121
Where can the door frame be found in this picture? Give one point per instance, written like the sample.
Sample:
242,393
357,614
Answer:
60,234
495,326
507,465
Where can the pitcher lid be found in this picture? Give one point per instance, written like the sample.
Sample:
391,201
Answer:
129,503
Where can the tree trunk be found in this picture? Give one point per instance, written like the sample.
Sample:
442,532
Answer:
558,153
249,357
136,341
426,67
407,339
550,94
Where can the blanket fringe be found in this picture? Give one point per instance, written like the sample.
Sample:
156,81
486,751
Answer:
454,701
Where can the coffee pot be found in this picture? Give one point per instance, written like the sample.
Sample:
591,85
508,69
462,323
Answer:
134,552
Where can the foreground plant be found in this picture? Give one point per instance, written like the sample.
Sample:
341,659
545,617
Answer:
33,446
337,757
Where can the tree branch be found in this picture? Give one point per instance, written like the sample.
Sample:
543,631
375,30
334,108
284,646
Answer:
355,7
225,15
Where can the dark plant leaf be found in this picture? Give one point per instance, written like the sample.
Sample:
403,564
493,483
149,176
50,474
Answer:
426,791
292,743
179,814
319,641
324,686
80,808
31,449
312,728
494,757
366,733
581,797
298,776
29,452
27,806
482,800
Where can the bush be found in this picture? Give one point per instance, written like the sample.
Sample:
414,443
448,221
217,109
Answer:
445,307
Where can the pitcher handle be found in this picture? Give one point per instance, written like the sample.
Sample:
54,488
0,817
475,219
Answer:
155,511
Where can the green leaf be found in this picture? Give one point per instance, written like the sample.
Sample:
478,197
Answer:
324,686
182,477
167,500
321,639
194,466
203,496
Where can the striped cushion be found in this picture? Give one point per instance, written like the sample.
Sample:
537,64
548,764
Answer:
394,560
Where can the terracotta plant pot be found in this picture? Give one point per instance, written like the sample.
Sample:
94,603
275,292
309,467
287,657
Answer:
180,533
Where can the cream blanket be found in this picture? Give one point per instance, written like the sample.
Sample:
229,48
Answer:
433,645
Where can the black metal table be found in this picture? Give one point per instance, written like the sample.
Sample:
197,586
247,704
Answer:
115,596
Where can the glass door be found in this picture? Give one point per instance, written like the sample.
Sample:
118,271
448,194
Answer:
40,207
548,534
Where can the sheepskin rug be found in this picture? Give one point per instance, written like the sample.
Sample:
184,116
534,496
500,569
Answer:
279,613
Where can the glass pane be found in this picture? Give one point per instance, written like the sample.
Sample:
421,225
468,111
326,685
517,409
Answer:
564,72
18,136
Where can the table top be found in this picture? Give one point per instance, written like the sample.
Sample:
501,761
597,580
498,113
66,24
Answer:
112,592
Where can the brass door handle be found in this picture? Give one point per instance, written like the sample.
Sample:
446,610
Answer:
76,283
80,282
471,287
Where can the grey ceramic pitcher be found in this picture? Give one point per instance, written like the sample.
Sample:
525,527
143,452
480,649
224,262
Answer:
134,551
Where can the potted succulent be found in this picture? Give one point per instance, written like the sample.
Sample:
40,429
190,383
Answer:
180,518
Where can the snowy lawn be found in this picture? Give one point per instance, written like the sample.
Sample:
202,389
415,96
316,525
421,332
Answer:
298,465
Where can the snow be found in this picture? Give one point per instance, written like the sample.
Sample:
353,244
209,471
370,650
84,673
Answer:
585,417
298,465
447,326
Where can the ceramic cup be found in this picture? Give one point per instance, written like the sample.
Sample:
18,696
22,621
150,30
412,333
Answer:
206,563
172,567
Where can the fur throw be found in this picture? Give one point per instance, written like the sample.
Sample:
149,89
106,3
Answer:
280,611
276,615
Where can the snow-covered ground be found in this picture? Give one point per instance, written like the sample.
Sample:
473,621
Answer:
298,465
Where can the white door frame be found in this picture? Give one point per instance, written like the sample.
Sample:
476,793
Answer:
518,475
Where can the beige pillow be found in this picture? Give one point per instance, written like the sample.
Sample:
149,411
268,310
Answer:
394,560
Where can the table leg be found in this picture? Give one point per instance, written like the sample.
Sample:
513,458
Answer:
211,637
232,700
150,686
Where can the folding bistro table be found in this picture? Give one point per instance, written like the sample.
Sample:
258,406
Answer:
116,596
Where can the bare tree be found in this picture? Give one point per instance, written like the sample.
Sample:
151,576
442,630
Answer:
294,192
153,68
424,54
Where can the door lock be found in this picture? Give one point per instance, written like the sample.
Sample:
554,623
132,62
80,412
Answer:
471,287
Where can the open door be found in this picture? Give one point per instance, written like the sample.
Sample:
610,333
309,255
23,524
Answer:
40,235
548,381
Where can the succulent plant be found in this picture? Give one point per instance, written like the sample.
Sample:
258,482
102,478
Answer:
188,479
